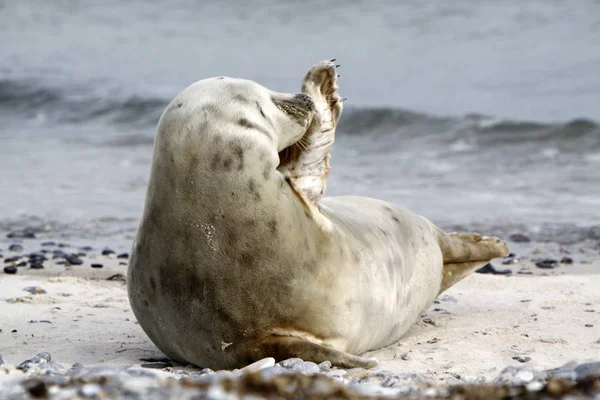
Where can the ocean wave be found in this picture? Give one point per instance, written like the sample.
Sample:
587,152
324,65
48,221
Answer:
60,106
78,106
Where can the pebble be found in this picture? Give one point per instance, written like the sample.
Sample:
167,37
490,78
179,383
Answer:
325,365
21,264
519,238
307,367
11,269
546,264
27,233
15,247
586,370
566,260
258,365
290,362
86,248
48,244
123,255
34,290
39,358
59,254
490,269
74,260
36,265
107,252
96,265
156,365
12,259
522,359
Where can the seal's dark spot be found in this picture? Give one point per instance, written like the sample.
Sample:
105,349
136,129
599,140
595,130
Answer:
152,283
232,194
247,259
231,237
267,171
239,153
395,219
273,225
245,123
253,190
179,105
227,164
146,303
356,256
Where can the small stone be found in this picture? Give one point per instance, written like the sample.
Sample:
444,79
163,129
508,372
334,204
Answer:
36,265
205,371
547,307
307,367
589,325
15,247
122,263
547,264
21,264
27,233
522,359
490,269
156,365
107,252
37,255
34,290
258,365
11,269
290,362
59,254
48,244
519,238
74,260
13,331
11,259
96,265
566,260
116,277
123,255
591,369
86,248
91,390
39,358
325,365
336,373
63,245
61,262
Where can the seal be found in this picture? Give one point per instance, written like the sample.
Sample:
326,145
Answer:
239,256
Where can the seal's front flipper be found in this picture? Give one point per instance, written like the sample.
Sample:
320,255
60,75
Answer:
284,347
306,163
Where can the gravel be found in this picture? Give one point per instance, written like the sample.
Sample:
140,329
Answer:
38,377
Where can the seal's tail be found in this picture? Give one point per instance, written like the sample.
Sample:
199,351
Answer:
284,347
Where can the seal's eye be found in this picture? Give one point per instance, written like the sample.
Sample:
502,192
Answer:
261,110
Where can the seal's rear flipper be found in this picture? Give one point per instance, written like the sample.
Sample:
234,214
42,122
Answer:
453,273
284,347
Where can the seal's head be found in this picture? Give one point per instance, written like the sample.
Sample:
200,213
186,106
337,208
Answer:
283,117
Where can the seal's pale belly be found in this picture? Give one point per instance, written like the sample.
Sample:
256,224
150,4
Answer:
391,266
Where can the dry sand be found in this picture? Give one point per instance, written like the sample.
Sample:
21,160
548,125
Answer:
474,330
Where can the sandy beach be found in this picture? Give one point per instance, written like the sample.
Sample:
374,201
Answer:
81,314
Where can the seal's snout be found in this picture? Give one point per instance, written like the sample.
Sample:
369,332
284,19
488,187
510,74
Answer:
305,100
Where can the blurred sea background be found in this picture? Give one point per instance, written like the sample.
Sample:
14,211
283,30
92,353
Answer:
480,115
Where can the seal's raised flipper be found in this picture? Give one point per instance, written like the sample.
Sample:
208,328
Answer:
465,253
306,164
284,347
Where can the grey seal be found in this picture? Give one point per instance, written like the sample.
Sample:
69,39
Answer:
239,256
